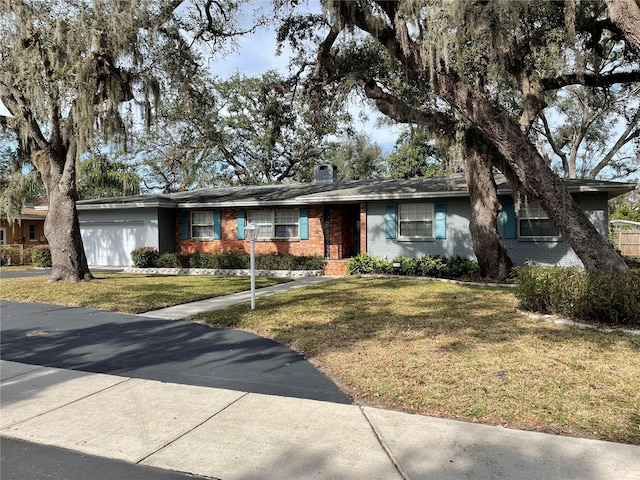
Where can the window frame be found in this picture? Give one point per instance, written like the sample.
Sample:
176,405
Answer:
400,220
272,224
533,211
193,224
33,232
3,237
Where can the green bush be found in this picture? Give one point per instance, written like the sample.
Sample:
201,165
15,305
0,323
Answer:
230,260
367,264
41,256
426,266
584,296
281,261
432,266
462,267
169,260
632,262
144,257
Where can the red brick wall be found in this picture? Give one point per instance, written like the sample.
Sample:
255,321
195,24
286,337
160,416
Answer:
229,237
363,227
335,232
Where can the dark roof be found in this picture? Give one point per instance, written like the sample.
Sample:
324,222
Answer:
338,192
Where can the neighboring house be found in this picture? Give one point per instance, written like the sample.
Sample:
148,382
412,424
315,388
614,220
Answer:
27,230
337,220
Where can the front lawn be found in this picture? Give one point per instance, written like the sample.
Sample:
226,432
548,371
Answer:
456,351
128,293
438,349
15,268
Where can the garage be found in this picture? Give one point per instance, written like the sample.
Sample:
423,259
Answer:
110,244
110,231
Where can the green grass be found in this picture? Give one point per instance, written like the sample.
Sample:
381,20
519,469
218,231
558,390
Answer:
456,352
129,293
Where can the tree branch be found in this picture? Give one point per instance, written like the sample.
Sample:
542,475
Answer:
590,80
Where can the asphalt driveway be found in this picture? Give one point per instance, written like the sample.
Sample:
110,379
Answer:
165,350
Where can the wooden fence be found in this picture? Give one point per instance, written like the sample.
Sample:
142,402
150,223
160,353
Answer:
628,242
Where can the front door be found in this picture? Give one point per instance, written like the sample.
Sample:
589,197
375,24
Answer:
341,231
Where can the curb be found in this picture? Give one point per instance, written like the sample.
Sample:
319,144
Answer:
224,272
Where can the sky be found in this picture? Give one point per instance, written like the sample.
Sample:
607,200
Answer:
256,54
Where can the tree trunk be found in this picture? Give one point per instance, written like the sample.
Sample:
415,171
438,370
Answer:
61,226
533,175
491,252
522,159
625,14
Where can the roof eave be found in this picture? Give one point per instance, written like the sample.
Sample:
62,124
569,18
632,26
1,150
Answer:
113,206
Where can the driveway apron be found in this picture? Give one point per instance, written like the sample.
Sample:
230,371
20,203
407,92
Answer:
165,350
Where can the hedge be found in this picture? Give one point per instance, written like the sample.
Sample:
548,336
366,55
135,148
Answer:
580,295
427,266
234,260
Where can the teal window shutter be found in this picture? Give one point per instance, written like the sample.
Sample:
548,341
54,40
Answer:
440,221
508,222
390,221
304,224
184,233
217,225
240,224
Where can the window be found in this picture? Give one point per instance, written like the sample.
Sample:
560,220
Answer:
32,233
415,220
534,222
3,236
276,223
202,225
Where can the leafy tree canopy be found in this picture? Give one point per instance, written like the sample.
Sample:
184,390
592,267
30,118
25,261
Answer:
416,156
357,158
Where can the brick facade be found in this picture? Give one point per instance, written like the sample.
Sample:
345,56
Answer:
314,246
336,223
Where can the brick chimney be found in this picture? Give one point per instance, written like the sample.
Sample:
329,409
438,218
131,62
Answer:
326,174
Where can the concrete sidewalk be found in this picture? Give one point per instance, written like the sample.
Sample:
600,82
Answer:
178,312
230,435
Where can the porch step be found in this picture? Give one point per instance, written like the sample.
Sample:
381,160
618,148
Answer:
336,267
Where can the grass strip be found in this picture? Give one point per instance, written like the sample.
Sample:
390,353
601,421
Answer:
128,293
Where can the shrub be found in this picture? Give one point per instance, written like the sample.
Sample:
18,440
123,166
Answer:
41,257
12,255
426,266
462,267
280,261
231,259
632,262
227,260
432,266
366,264
169,260
585,296
144,257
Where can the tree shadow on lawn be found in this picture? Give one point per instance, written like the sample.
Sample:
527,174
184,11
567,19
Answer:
337,315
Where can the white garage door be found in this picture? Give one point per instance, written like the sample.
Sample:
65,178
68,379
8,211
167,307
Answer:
110,244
